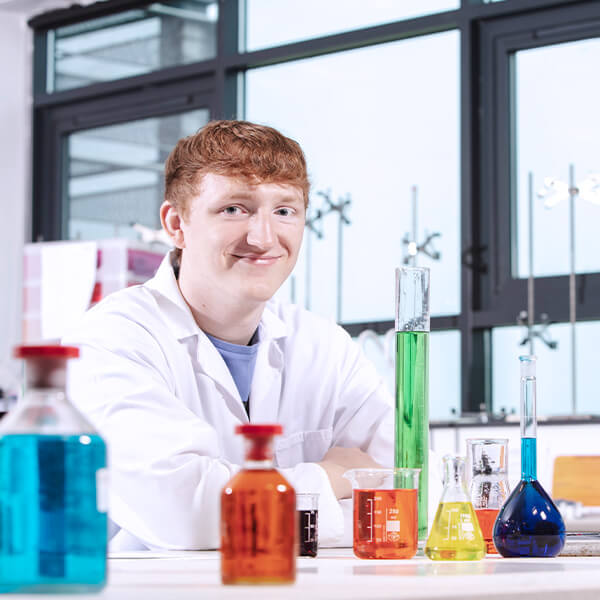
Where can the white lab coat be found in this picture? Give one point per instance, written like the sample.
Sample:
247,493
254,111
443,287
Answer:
164,400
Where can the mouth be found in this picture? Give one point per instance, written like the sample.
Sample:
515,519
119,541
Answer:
252,259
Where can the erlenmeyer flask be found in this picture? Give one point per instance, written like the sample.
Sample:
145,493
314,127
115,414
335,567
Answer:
529,524
455,534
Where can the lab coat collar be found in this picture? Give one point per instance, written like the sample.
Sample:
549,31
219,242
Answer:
271,330
181,320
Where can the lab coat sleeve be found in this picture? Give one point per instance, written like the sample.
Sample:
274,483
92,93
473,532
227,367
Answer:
363,417
167,474
365,412
312,478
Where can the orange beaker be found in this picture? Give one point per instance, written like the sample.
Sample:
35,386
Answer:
385,512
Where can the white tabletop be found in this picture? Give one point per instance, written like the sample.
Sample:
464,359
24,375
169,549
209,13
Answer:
337,574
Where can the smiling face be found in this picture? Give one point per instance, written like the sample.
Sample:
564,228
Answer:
239,241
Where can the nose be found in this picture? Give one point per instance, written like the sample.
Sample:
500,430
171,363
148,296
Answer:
260,231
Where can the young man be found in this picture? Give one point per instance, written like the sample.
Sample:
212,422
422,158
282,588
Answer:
169,368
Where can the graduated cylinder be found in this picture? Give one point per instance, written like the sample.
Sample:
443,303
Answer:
412,379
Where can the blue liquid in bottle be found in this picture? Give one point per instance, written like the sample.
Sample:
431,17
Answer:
53,522
52,535
529,524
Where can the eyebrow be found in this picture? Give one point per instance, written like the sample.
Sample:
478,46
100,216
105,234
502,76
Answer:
241,195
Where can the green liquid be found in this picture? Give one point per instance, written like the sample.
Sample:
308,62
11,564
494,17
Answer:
412,411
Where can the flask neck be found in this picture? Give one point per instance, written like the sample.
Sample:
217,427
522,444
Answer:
454,479
528,458
528,407
50,395
258,465
43,374
528,396
259,452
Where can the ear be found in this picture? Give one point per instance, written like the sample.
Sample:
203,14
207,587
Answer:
171,222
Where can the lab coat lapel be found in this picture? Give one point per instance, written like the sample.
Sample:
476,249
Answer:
211,364
265,391
208,361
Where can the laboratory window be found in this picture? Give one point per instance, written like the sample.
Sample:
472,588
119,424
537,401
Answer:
269,23
556,111
387,153
130,43
116,174
554,368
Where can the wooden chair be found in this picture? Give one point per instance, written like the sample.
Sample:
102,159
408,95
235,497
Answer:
577,478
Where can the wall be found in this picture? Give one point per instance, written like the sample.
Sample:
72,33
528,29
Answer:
553,441
16,50
15,148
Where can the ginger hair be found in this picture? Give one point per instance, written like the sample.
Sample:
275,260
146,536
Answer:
239,149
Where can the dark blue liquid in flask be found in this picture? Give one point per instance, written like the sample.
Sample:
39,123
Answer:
53,522
529,524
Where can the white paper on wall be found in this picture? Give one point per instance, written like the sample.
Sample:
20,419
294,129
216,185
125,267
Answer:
68,275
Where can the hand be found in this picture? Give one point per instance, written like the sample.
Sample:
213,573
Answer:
338,460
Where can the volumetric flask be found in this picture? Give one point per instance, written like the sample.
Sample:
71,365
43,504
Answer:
529,524
307,507
455,534
385,512
487,460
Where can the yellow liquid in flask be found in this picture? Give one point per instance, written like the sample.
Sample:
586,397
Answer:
455,534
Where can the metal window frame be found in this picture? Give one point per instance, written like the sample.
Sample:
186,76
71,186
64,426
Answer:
504,294
488,297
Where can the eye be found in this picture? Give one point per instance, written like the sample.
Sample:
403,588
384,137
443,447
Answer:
232,210
285,212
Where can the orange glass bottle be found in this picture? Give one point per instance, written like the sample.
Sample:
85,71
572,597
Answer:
258,516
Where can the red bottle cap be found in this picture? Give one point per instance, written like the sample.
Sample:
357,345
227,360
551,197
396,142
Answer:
259,430
48,351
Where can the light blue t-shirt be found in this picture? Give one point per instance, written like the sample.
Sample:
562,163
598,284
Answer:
240,361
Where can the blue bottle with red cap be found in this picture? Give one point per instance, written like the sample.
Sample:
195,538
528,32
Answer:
53,522
258,516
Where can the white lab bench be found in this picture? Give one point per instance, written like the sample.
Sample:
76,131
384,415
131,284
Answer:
337,574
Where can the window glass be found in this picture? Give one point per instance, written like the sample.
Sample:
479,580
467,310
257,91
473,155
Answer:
272,22
116,174
444,368
557,125
373,122
554,374
130,43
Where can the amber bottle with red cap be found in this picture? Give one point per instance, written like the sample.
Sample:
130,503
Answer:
53,522
258,516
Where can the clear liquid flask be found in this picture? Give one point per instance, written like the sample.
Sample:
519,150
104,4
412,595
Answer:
487,459
385,512
455,533
412,379
53,533
529,524
258,516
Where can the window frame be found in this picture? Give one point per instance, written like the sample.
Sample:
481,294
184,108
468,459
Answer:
503,294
